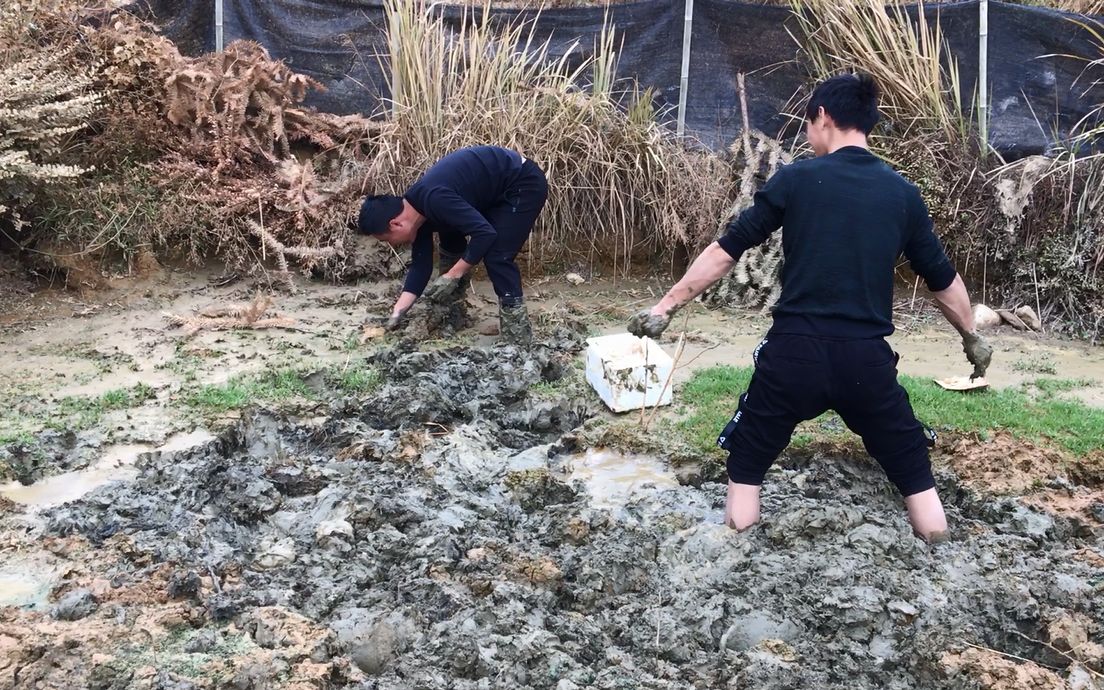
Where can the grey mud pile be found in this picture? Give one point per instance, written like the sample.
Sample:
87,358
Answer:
427,537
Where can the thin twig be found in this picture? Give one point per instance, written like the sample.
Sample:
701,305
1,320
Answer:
742,90
1038,303
1054,649
985,276
1010,656
671,374
698,356
666,384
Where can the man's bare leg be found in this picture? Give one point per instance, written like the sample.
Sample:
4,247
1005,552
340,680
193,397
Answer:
742,505
925,512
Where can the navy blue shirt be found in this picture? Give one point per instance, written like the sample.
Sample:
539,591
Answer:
847,217
452,195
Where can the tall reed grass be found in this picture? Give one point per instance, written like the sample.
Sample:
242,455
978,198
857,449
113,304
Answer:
622,187
907,56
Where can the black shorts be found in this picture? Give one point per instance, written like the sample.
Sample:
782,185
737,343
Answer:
800,377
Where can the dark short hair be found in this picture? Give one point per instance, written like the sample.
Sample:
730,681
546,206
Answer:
376,213
851,100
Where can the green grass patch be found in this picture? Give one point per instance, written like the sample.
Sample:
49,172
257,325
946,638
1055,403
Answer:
14,437
170,654
353,379
1069,424
711,395
284,386
276,386
1036,364
1049,388
184,364
75,412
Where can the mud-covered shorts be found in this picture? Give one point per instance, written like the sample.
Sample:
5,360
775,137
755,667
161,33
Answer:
799,377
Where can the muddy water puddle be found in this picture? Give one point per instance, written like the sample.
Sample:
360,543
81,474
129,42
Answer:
25,583
612,478
116,464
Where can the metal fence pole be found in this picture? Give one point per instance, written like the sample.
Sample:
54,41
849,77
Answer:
983,76
218,26
684,81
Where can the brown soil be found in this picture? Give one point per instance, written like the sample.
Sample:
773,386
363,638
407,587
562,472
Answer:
1003,464
993,671
1078,503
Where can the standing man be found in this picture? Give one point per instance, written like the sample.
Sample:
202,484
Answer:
847,217
482,203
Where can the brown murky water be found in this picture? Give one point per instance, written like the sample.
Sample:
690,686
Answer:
611,478
116,464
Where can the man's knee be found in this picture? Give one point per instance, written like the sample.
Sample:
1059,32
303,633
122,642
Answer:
911,473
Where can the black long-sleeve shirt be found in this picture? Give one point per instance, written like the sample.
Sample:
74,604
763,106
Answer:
846,217
452,195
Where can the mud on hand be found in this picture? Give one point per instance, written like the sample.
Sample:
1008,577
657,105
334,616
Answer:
645,323
978,352
442,290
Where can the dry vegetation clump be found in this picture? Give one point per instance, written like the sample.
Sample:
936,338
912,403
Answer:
216,154
186,154
253,315
41,105
755,280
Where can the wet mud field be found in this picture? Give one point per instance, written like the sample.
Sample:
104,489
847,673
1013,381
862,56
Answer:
451,528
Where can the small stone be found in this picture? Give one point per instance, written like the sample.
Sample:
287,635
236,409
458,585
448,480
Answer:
221,607
275,553
1029,317
203,642
476,554
75,605
328,529
985,318
1013,320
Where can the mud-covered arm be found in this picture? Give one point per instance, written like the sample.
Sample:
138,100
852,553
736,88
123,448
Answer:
954,302
710,266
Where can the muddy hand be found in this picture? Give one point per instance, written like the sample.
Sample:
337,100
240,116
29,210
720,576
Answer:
442,290
396,322
645,323
978,351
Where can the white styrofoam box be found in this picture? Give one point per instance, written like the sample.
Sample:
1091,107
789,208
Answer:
628,372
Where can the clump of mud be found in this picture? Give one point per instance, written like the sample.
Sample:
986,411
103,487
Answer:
430,535
49,452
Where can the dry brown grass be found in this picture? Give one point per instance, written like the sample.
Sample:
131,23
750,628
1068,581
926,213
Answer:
621,186
909,60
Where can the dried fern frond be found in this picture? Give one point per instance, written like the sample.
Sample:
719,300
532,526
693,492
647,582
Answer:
222,318
41,105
